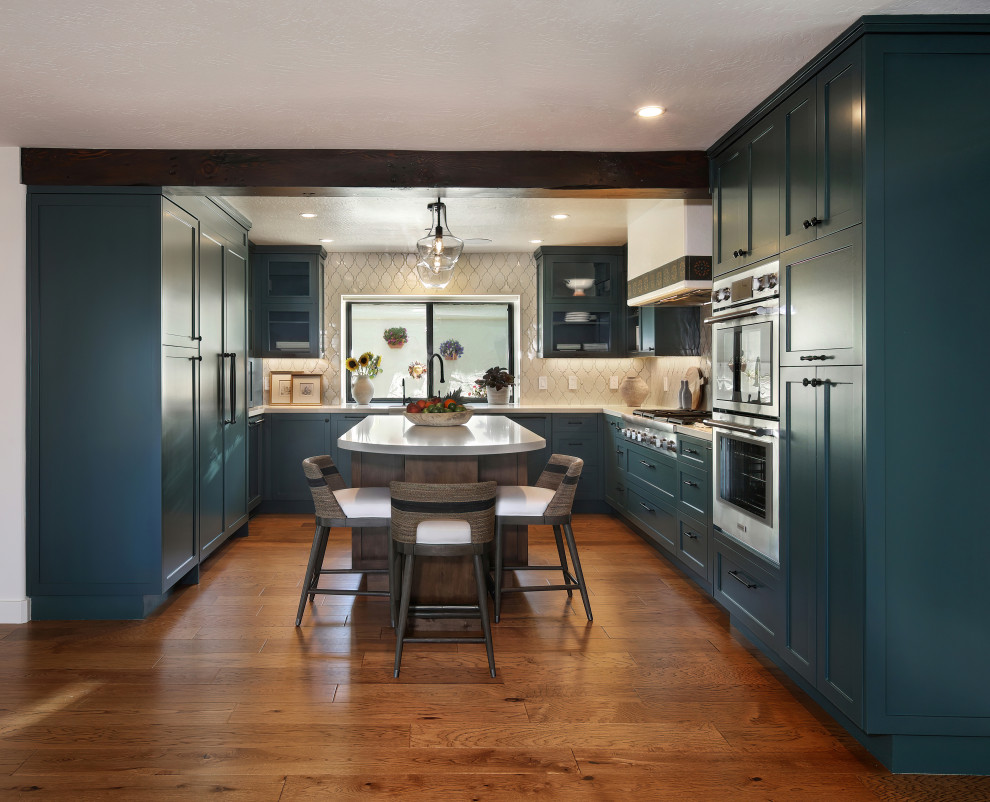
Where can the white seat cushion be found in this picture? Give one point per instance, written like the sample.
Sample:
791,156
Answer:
365,502
521,500
443,532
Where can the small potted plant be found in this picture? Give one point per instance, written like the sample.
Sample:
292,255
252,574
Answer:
496,383
451,349
364,368
396,337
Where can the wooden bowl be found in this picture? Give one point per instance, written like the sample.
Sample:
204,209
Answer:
439,418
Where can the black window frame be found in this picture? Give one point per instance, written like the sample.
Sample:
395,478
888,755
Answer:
349,305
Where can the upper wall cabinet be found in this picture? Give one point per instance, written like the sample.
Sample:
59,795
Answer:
745,199
289,306
821,126
581,301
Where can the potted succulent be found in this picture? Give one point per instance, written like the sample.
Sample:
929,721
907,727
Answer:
396,337
496,383
451,349
364,368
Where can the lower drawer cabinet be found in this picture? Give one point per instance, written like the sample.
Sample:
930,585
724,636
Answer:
693,496
749,592
692,547
659,522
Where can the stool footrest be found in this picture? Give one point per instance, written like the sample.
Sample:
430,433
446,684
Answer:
344,592
532,567
444,611
443,640
353,571
531,588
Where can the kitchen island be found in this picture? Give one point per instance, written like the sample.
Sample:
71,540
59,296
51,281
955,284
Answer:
387,448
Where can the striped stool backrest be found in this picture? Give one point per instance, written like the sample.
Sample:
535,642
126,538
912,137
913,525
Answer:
561,475
323,478
413,503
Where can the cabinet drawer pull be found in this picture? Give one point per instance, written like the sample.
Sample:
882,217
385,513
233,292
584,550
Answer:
643,462
816,357
648,509
735,575
576,444
574,422
691,451
618,451
814,221
690,484
690,534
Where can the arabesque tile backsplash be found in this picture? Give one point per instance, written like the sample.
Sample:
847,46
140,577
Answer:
481,274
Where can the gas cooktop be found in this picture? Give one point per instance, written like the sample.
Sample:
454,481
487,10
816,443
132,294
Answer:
682,416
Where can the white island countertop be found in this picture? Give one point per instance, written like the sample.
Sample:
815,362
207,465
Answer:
483,434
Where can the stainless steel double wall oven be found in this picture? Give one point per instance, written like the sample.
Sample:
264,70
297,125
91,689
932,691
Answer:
745,407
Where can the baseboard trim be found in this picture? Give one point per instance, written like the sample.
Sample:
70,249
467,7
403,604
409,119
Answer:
15,611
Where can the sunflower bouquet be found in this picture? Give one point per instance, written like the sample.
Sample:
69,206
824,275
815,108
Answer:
368,364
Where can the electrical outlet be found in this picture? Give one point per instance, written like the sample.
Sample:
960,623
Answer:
613,382
572,382
666,383
542,382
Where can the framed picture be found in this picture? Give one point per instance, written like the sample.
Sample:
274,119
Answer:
281,388
307,388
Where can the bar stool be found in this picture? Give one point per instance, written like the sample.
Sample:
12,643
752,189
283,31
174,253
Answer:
339,505
431,520
549,502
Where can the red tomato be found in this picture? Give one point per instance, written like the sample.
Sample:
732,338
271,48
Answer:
422,404
413,407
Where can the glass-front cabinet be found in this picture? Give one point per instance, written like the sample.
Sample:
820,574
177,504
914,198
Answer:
289,306
581,300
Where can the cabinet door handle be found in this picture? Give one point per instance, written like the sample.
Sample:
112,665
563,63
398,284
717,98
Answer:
648,509
739,253
619,489
814,221
812,382
253,424
817,357
641,462
199,338
618,451
690,534
195,359
748,583
690,484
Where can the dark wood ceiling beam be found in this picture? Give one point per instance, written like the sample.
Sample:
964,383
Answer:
680,174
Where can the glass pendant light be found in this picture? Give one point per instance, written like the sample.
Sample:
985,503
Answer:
438,251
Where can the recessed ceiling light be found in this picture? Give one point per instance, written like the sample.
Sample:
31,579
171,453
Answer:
308,214
560,216
535,241
650,111
326,240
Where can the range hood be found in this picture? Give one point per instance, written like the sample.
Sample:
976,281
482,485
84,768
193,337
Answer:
686,281
662,234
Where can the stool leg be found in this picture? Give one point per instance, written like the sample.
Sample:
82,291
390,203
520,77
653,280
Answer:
312,569
576,562
319,563
498,571
400,632
486,627
563,557
393,580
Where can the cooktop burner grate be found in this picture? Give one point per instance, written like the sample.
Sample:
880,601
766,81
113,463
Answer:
674,415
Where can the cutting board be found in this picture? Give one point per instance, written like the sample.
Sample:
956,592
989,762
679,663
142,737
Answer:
695,381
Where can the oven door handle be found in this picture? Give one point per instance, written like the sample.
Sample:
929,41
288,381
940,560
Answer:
756,431
760,310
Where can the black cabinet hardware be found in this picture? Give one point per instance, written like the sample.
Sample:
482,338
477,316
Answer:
816,358
749,584
690,534
690,484
692,451
199,338
813,382
814,221
195,359
648,509
643,462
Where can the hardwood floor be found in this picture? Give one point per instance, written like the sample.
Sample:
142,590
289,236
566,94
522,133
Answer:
218,694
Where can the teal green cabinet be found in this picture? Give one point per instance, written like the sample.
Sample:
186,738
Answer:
581,295
288,285
579,435
292,437
745,199
749,588
822,130
821,300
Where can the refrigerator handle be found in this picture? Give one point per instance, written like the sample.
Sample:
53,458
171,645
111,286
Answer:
233,387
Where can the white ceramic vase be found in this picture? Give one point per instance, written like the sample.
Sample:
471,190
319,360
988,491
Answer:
497,396
633,390
363,390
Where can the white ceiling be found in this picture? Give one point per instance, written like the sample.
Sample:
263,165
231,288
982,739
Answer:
394,223
454,75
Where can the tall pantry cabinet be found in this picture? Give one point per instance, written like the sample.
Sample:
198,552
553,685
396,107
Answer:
137,333
879,167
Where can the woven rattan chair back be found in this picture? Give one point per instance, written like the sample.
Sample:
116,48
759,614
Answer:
323,478
561,475
413,503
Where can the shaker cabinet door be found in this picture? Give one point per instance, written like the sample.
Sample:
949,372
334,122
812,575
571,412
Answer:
798,121
730,205
180,276
840,143
821,298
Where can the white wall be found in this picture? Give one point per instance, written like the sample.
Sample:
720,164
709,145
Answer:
664,230
13,601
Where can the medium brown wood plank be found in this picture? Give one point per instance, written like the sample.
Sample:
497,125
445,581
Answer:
171,788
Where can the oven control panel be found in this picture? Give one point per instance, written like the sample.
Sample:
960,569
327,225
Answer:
753,285
661,441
